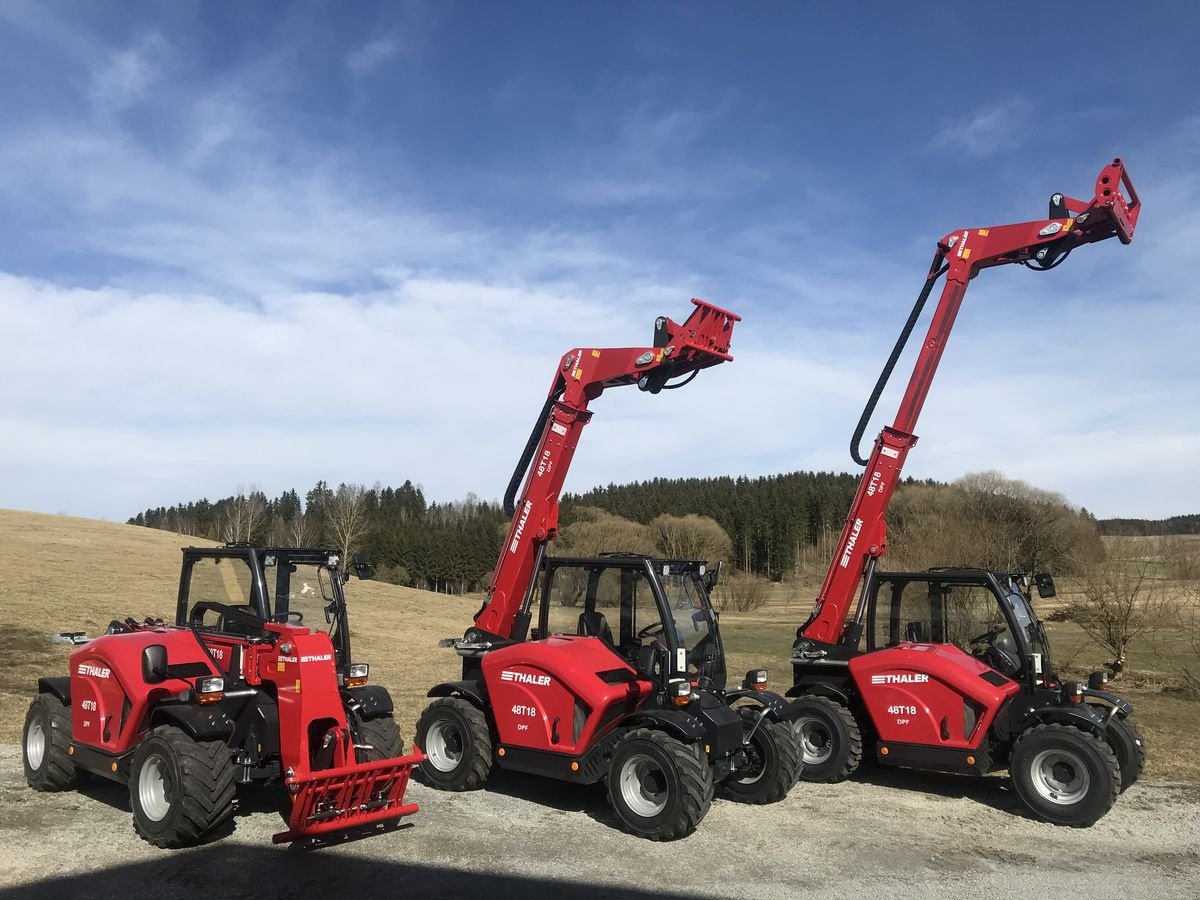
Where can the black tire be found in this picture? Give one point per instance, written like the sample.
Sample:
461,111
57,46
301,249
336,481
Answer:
378,739
829,738
1065,775
44,744
1129,748
774,765
659,787
180,789
458,745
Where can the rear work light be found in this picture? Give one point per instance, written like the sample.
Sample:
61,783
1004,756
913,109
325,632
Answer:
357,674
210,690
756,679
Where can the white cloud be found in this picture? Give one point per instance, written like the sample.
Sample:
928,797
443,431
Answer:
126,76
998,127
370,56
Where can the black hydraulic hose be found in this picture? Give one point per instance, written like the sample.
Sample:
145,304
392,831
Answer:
535,435
679,384
936,270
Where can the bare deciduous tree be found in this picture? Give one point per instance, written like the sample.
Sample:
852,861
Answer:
691,537
244,516
1119,602
347,517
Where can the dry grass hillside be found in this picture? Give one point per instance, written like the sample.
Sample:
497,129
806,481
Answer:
60,573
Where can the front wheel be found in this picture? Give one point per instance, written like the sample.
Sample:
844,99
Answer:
660,788
1127,744
45,745
1065,775
457,742
773,765
180,789
829,737
378,739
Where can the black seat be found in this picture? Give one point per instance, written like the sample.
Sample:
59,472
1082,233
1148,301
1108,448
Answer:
915,632
593,624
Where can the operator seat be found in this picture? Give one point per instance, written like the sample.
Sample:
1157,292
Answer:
593,624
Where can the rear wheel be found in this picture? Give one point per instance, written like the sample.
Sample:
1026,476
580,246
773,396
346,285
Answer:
1129,748
457,743
829,738
773,765
659,787
1065,775
180,789
44,745
378,739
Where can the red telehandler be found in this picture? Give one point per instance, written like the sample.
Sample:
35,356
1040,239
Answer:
247,686
955,675
640,702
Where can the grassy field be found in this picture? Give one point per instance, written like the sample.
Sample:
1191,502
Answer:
59,573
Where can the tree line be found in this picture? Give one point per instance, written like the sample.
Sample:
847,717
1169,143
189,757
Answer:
1189,524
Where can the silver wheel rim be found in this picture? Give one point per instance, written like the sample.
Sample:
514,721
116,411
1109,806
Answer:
35,745
444,746
643,784
152,789
756,765
816,740
1060,776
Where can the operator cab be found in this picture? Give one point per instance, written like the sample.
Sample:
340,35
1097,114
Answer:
640,606
986,614
234,591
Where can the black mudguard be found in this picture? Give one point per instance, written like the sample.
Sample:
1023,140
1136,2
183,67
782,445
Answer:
371,701
675,722
475,691
1123,706
1086,716
778,708
201,723
829,691
60,687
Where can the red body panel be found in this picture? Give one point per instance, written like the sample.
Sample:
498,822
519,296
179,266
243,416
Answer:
538,688
916,692
965,253
107,671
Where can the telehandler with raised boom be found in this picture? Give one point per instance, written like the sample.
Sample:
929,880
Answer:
955,674
640,703
253,683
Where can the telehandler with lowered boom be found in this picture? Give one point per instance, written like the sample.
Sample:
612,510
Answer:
956,674
240,689
644,709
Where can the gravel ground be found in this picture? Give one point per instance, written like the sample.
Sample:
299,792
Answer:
888,834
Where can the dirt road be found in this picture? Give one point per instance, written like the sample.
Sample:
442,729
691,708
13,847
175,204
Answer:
892,834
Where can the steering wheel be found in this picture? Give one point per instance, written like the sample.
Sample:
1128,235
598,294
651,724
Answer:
987,636
287,616
654,629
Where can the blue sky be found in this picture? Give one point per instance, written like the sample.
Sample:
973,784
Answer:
264,244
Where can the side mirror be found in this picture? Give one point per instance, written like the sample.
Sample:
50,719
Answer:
710,578
363,570
154,664
1045,585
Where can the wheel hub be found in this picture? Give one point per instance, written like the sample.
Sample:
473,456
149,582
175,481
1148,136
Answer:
444,746
1060,776
643,785
816,741
153,796
35,745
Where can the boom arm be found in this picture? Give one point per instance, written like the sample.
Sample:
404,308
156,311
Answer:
582,375
960,256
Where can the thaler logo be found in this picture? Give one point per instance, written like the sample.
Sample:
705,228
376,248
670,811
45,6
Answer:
899,679
94,671
525,678
325,658
512,548
858,523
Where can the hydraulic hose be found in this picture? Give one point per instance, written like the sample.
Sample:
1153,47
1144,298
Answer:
518,475
936,270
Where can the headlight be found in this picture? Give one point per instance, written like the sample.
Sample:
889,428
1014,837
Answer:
210,690
357,674
680,691
756,679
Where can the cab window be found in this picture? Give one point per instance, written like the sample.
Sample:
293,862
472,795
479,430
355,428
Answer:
223,580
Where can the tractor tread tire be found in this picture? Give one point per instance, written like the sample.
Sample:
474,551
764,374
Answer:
846,758
1129,748
379,739
775,784
477,764
58,772
207,780
1083,814
695,782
